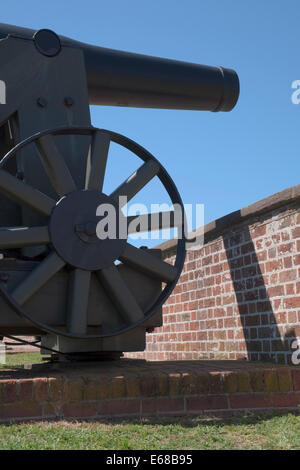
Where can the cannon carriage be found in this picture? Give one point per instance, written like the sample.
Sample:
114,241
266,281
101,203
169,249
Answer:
83,295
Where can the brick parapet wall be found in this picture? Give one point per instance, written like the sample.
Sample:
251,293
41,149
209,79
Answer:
238,296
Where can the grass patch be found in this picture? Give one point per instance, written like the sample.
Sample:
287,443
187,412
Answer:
256,432
18,360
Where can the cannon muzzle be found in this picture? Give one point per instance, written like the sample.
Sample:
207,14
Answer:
117,78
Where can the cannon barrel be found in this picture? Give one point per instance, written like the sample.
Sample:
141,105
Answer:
117,78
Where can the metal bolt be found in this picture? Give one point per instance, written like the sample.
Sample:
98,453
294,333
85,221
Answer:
42,102
68,101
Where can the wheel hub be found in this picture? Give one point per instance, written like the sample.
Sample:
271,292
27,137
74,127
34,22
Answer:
75,228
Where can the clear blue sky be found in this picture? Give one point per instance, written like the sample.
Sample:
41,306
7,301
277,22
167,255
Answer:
224,160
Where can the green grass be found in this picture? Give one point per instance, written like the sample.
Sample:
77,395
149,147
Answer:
256,432
18,360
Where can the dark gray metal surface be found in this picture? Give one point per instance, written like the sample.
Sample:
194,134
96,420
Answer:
125,79
74,243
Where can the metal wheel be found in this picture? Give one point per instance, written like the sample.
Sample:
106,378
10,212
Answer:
70,232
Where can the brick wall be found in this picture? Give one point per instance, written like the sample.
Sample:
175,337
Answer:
238,296
133,389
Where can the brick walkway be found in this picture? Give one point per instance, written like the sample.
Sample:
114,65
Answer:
132,388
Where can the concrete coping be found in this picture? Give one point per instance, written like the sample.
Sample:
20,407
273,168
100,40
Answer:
267,204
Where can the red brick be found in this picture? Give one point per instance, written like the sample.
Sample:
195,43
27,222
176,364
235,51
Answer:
249,401
274,265
79,410
10,391
25,389
296,232
174,384
258,231
288,276
292,302
285,248
40,387
189,383
271,381
74,389
132,386
296,379
276,291
114,408
257,380
147,385
230,382
212,402
244,384
288,400
216,383
21,410
56,389
203,383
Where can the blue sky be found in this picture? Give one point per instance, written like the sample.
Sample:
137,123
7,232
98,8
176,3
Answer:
223,160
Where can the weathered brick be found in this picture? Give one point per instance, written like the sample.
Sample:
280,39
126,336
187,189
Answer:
250,401
257,380
10,391
161,384
25,390
244,384
132,386
230,382
114,408
79,410
296,380
284,380
147,385
56,388
216,383
286,400
90,390
203,383
40,389
74,389
271,381
21,410
189,382
211,402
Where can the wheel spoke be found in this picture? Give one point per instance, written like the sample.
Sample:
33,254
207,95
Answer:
78,301
144,261
37,278
25,194
18,237
97,161
151,222
55,165
120,295
136,182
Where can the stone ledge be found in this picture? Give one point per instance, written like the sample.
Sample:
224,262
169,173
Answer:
282,198
130,389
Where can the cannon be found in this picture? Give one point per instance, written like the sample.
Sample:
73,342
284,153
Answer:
82,295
